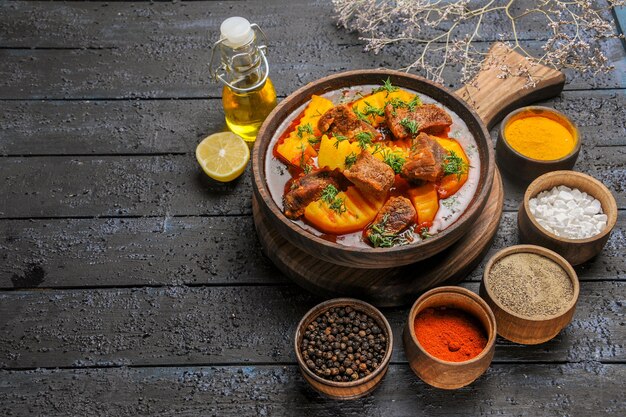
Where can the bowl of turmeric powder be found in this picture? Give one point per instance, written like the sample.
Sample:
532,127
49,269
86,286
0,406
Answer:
534,140
449,338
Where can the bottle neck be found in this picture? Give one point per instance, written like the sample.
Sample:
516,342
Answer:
244,66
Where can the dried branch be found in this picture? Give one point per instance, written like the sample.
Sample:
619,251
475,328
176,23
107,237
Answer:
448,30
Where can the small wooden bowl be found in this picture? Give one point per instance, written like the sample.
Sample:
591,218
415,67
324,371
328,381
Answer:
576,251
353,389
524,168
437,372
517,328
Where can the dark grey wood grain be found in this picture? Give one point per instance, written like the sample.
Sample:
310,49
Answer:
585,389
175,185
226,325
192,319
104,24
133,252
58,253
161,126
117,186
180,71
106,127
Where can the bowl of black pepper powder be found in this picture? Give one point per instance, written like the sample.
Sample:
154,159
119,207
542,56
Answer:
532,291
343,347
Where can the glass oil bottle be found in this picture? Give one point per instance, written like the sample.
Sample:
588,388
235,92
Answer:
248,95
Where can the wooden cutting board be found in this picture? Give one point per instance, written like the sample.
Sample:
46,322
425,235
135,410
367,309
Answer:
492,97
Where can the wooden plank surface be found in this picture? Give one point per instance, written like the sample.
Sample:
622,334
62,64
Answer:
168,185
110,25
180,71
123,264
181,325
74,253
589,389
175,126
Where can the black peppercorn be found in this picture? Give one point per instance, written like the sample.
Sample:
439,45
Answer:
342,344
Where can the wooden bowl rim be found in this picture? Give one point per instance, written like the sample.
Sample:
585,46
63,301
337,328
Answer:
538,250
260,181
550,162
535,188
345,302
451,289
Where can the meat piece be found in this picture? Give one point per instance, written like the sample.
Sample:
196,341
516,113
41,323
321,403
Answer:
371,176
425,162
425,118
305,190
396,215
341,120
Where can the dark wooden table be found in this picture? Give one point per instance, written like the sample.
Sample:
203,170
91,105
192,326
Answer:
131,284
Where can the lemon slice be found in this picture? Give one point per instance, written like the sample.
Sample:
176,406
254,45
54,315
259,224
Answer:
223,156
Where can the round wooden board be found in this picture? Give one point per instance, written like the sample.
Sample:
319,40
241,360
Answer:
391,286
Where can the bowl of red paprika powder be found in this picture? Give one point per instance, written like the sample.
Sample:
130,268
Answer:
449,338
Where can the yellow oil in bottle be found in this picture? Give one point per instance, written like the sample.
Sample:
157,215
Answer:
245,112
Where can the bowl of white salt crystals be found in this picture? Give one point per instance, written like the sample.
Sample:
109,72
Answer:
569,212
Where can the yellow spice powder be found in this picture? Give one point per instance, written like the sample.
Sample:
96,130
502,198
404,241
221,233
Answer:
539,137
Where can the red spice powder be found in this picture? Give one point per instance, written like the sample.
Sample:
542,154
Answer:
450,334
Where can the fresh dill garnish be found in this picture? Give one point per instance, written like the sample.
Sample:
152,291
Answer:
350,160
338,205
387,86
425,233
454,165
411,126
369,109
364,139
305,167
359,114
380,238
329,196
329,193
450,203
416,101
338,138
394,160
313,140
377,149
397,103
307,128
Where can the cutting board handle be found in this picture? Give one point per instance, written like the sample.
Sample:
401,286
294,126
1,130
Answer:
493,97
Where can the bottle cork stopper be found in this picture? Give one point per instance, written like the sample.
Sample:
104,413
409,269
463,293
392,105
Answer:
236,32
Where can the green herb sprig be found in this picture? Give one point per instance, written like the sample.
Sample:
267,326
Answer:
369,109
307,128
360,115
411,126
387,86
381,239
425,233
454,165
338,139
364,139
305,167
394,160
338,205
329,193
350,160
415,101
329,196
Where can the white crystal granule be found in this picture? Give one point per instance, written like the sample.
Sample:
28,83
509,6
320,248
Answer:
568,212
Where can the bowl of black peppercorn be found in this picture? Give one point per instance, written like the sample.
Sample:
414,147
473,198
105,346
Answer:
343,347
